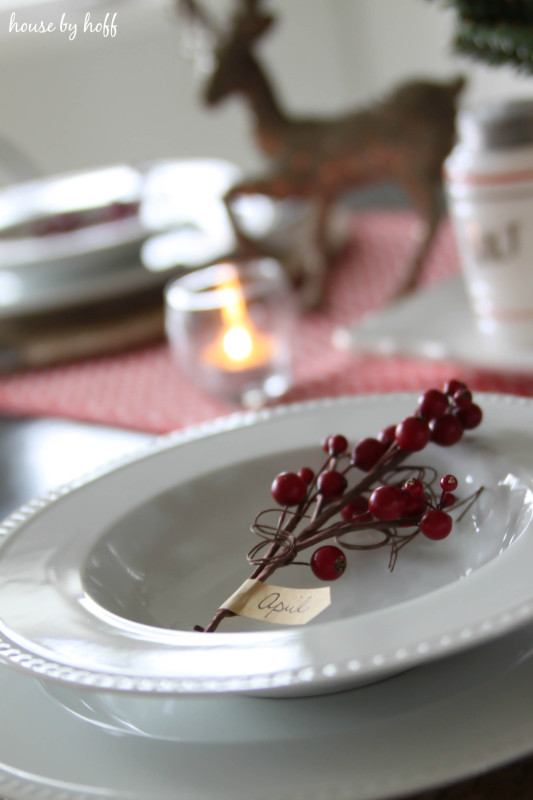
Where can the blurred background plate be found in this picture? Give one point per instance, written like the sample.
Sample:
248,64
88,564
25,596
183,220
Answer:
84,256
72,239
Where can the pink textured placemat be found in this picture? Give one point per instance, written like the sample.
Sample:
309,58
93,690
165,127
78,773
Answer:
143,389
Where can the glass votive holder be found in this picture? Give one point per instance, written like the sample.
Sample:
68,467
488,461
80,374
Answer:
230,327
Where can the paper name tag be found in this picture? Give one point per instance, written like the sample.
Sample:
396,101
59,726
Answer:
258,600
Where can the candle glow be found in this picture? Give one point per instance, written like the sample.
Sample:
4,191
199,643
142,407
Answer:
240,345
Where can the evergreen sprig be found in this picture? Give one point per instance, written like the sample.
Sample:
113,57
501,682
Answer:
498,44
495,31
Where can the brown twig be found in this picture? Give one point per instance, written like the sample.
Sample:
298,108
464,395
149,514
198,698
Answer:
284,540
397,508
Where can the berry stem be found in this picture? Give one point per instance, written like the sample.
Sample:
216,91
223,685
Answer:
312,532
309,500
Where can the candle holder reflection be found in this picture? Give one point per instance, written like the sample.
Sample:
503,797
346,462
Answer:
230,327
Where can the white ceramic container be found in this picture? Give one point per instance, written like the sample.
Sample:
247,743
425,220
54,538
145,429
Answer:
489,184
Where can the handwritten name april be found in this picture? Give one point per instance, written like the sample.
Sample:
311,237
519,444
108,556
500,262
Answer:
107,28
256,599
275,605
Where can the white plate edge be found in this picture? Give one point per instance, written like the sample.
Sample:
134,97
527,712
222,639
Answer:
331,673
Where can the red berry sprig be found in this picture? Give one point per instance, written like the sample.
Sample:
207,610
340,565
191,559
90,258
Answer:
398,501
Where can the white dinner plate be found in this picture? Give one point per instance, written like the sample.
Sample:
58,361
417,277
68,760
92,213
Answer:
436,324
432,725
102,581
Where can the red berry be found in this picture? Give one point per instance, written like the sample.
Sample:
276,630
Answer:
453,386
412,434
386,436
462,398
307,475
288,489
367,453
446,430
436,524
387,502
331,483
366,516
351,509
415,505
432,404
328,562
413,487
337,444
447,499
449,483
469,417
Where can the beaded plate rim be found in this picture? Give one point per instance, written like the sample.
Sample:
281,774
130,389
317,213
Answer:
329,674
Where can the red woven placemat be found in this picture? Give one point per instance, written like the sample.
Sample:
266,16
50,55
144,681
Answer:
143,389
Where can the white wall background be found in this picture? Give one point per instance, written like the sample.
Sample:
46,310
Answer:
93,100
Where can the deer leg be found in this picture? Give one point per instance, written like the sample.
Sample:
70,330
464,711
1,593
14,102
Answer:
314,258
246,246
428,202
305,261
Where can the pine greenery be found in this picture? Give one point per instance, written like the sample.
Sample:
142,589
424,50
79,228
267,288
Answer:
495,31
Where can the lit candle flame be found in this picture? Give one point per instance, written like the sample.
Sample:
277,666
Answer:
240,345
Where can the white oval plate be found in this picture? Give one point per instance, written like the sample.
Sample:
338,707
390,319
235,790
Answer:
93,577
370,743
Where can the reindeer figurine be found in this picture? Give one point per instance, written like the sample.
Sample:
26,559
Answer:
404,138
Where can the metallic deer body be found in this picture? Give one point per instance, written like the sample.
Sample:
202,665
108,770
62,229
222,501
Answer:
404,137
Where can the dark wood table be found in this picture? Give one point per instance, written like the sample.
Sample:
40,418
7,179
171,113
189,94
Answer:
37,455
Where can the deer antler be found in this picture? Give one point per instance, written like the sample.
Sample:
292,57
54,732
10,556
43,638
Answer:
197,13
199,34
250,22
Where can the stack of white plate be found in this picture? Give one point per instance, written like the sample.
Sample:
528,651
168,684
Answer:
104,233
408,680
